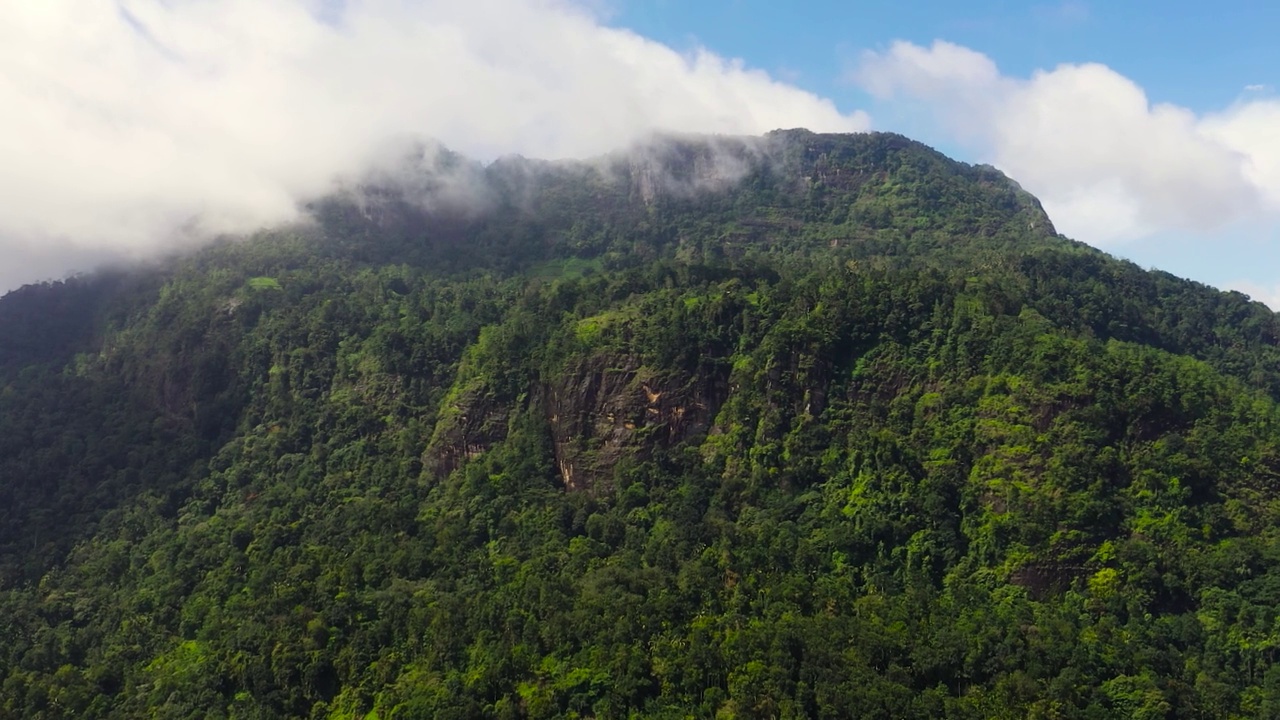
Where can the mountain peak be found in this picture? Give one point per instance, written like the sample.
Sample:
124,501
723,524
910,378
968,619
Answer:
798,425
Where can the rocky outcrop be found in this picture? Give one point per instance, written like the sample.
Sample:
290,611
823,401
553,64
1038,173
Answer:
599,410
471,422
607,407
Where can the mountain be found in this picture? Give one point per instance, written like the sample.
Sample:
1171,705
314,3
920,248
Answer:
792,426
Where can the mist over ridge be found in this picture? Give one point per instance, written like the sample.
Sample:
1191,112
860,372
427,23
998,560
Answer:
140,126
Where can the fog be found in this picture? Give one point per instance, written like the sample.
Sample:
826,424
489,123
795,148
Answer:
136,127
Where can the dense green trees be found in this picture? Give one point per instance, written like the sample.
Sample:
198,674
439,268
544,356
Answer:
800,427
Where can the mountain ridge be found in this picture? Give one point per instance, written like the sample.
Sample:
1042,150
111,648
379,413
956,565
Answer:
857,434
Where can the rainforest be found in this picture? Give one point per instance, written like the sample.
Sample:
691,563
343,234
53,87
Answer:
774,427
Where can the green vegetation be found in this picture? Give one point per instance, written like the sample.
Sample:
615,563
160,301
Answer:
855,435
264,283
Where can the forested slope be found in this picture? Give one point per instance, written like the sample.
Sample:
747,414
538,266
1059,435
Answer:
794,426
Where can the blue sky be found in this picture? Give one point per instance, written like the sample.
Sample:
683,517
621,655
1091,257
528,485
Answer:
134,128
1204,57
1198,54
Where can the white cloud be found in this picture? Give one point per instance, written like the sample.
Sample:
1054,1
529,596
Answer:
126,120
1270,296
1108,164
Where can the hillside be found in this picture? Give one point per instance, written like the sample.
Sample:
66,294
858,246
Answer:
794,426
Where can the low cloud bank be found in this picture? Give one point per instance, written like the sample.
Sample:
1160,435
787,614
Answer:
137,126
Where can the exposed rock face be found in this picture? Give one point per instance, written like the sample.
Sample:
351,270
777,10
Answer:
601,409
611,406
471,422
